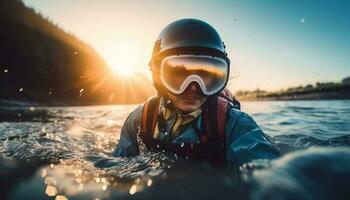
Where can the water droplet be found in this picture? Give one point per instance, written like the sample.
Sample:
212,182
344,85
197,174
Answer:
132,190
6,70
81,187
50,181
105,186
44,173
81,90
78,180
51,191
138,180
149,182
20,90
110,122
166,133
61,197
158,146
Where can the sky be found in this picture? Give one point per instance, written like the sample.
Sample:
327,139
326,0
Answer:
272,44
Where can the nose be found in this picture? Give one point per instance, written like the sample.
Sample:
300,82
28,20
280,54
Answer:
193,88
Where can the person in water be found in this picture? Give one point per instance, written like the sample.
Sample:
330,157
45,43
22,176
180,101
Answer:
193,116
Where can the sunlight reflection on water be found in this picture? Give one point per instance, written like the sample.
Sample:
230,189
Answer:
78,142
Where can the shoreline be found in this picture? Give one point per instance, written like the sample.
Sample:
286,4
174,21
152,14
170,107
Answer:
340,93
335,93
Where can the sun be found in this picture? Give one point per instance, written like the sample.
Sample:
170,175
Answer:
122,68
122,61
123,71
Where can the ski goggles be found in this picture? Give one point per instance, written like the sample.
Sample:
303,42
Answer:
209,72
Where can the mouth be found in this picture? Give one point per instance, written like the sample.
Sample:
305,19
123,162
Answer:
190,98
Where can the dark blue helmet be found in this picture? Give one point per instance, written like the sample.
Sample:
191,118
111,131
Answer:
185,36
188,36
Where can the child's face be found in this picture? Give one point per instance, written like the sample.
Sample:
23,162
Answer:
190,100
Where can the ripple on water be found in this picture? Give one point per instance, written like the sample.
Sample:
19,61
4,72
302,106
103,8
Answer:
75,144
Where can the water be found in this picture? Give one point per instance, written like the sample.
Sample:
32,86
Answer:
298,125
65,153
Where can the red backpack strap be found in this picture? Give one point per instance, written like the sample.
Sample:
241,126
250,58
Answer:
215,116
221,115
205,120
149,119
233,101
226,93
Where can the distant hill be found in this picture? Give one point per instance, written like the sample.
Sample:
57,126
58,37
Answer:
318,91
40,62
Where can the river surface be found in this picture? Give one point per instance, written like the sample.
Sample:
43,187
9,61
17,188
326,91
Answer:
66,153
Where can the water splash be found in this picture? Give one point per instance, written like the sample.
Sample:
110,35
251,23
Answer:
73,146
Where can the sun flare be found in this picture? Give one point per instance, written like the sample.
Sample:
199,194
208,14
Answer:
123,71
122,66
122,61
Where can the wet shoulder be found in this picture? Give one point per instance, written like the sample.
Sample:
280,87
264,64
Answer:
134,117
240,121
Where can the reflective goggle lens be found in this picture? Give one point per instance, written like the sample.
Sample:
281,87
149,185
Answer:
177,72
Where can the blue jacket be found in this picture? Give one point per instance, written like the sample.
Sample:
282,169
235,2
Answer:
245,141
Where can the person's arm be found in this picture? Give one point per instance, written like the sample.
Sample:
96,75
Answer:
127,145
246,141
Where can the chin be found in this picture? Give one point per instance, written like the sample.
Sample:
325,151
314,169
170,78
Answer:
187,104
187,107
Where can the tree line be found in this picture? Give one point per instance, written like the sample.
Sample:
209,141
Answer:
41,62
